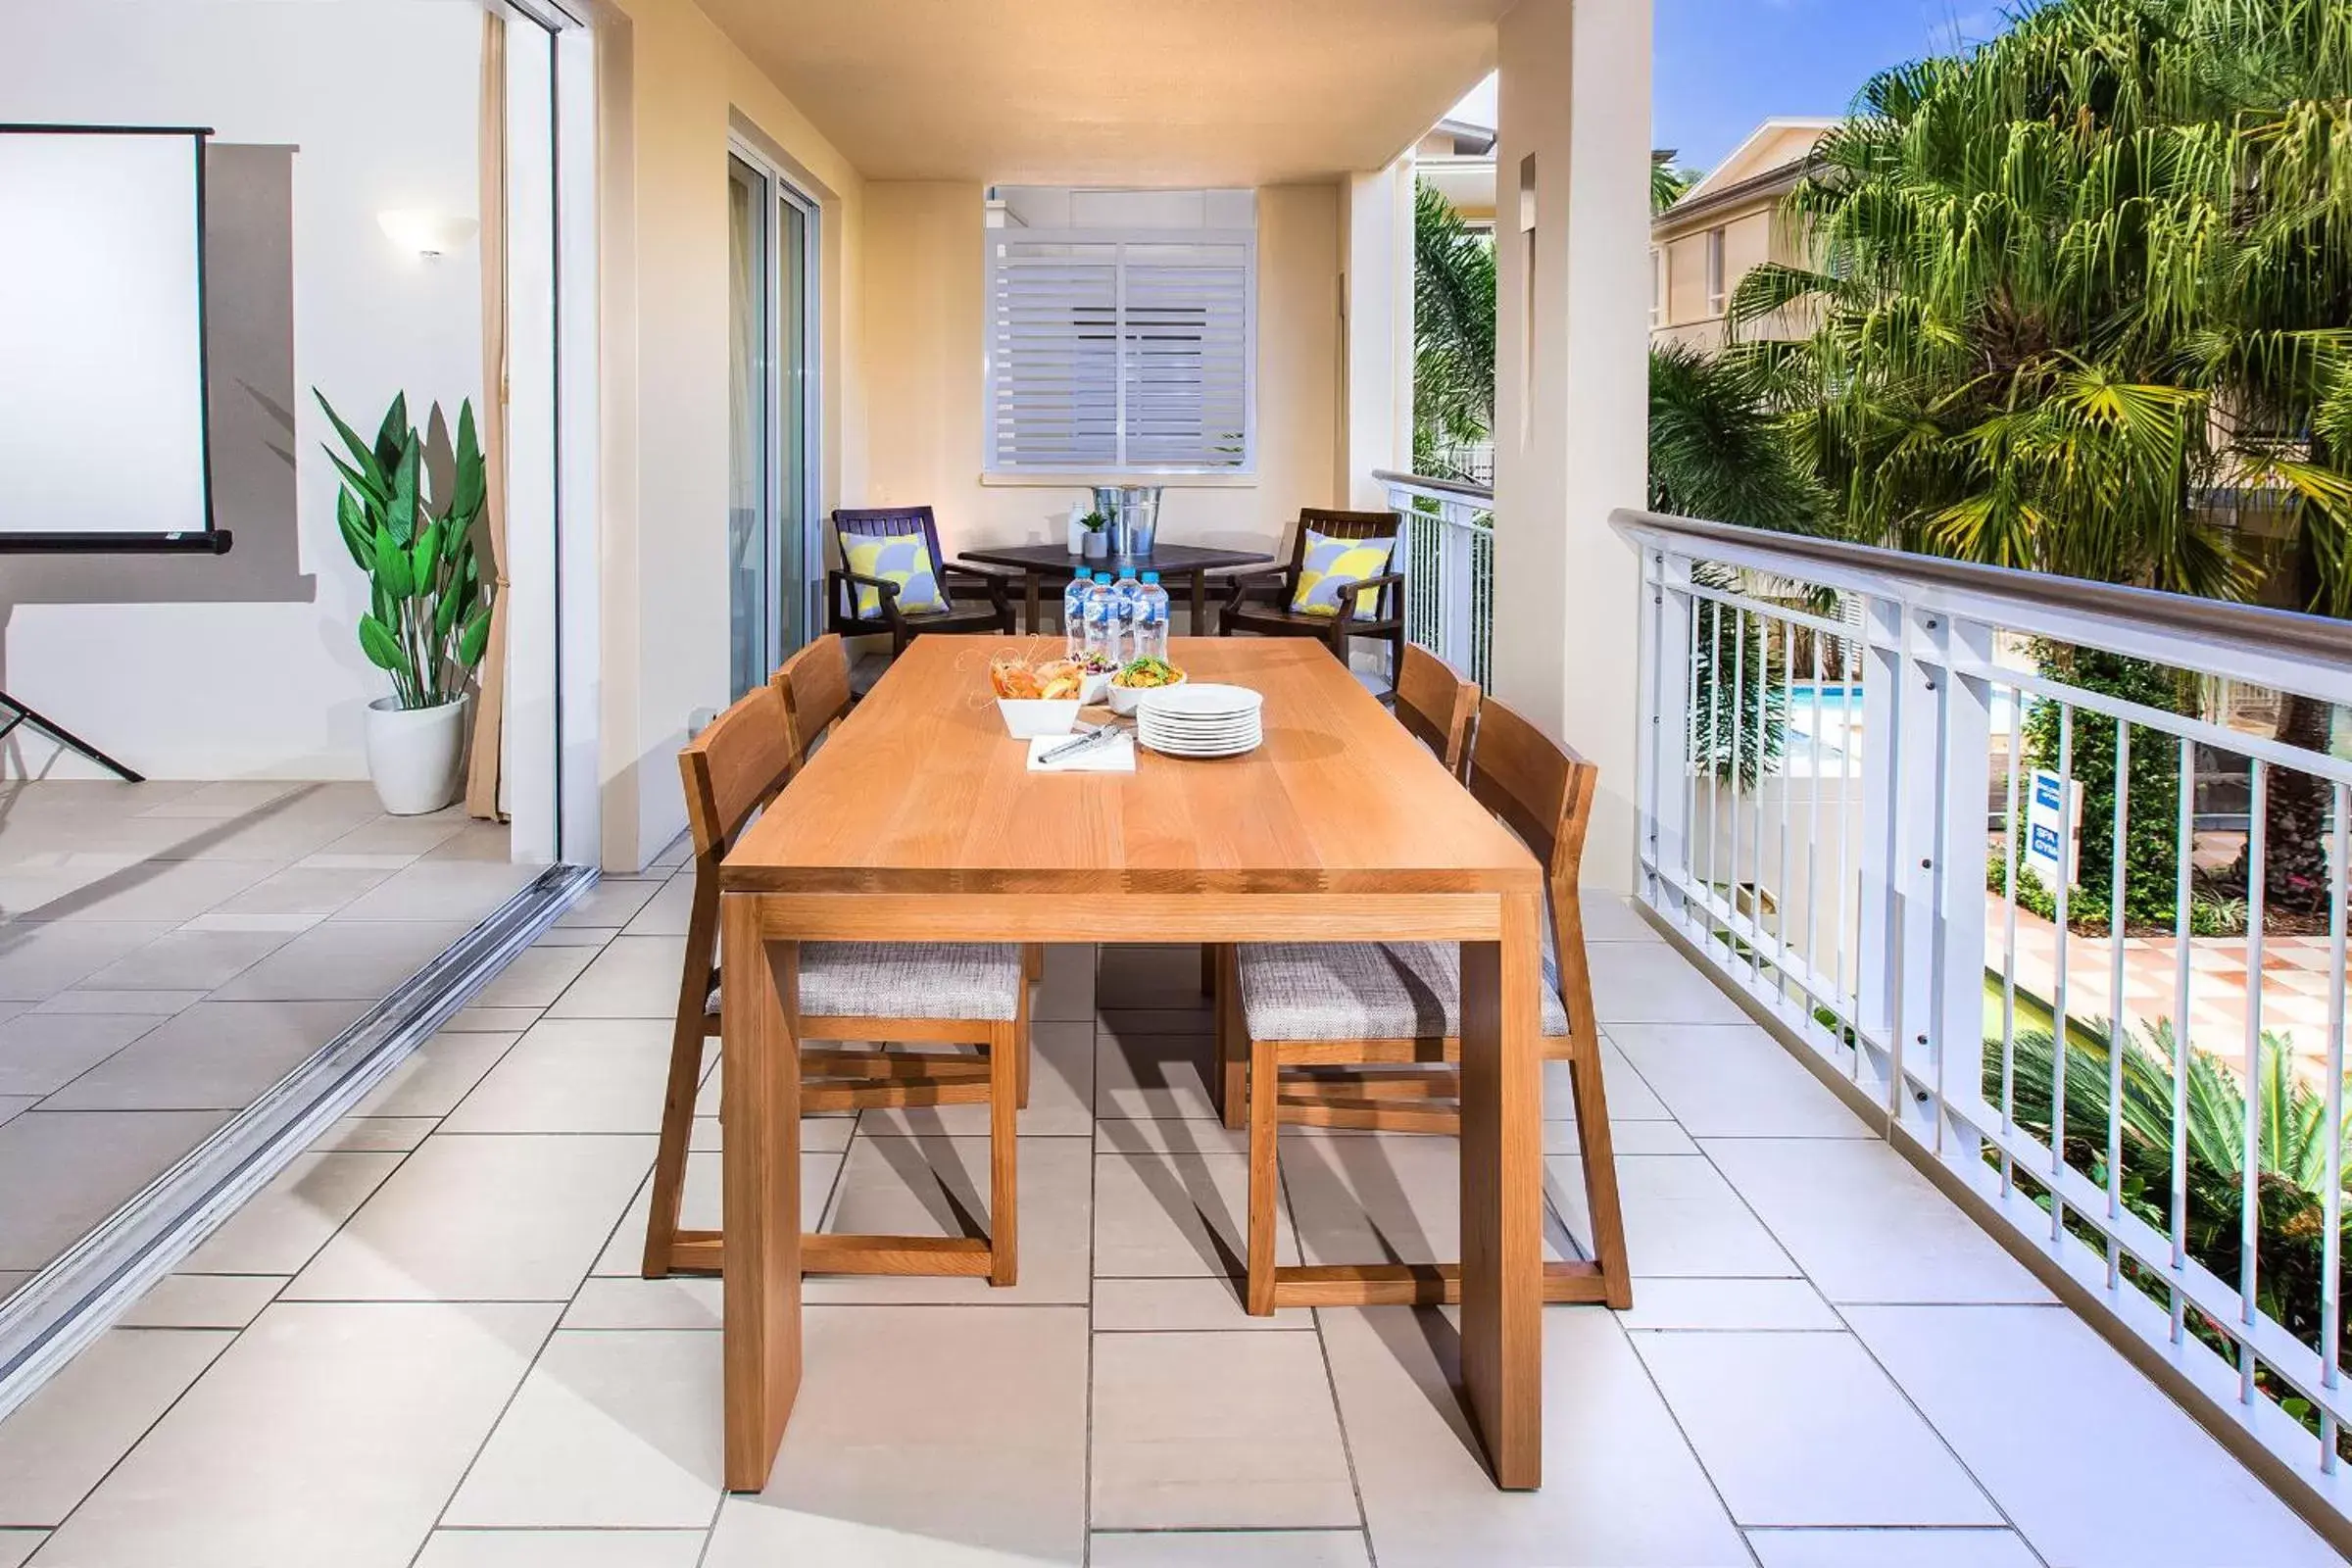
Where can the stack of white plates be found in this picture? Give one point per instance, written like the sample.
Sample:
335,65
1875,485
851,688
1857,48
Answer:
1197,721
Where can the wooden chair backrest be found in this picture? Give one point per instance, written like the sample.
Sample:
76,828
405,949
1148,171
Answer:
1544,793
733,768
1437,705
1340,526
816,686
880,523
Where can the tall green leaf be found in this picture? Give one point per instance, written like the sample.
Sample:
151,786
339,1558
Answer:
401,515
393,436
380,646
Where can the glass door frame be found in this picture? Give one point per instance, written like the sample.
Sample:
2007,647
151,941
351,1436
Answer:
792,386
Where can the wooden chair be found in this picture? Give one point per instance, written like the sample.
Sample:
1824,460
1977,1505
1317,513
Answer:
1436,707
901,627
1260,603
1391,1011
928,993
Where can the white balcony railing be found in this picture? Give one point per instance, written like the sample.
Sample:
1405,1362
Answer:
1836,805
1447,556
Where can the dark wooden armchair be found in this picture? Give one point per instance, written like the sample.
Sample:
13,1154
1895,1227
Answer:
851,526
1261,600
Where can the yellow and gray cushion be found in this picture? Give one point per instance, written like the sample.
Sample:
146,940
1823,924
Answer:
900,557
1329,565
910,980
1364,991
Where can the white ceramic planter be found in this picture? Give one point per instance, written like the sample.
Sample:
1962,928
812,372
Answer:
412,753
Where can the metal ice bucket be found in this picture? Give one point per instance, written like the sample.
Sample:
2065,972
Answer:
1132,511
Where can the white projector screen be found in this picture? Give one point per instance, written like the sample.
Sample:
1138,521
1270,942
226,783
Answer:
102,383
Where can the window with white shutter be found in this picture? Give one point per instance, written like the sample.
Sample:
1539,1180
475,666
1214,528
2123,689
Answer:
1121,350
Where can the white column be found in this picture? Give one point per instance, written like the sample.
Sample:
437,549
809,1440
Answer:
1377,310
1571,243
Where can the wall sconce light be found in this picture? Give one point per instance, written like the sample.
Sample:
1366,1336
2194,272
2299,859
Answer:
428,234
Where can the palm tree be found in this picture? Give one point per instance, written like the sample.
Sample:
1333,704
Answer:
2082,284
1668,182
1453,332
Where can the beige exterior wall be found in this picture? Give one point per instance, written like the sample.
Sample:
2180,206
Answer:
924,301
672,85
1751,236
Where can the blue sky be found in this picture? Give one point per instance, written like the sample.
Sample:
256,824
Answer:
1724,66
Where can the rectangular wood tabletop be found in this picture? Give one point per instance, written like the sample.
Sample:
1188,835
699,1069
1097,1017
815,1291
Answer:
920,790
918,821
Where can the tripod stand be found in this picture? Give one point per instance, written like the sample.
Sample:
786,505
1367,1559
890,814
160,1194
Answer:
17,714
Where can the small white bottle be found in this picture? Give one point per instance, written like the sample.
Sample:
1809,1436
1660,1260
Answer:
1073,614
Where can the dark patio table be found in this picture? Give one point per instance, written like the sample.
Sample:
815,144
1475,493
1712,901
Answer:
1042,565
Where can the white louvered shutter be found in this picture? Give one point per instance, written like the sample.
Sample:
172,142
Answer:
1119,351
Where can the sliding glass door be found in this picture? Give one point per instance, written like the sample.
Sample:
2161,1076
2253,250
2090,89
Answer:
771,598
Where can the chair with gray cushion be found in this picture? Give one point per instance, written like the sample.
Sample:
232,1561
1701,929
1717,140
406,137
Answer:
1368,1036
965,1007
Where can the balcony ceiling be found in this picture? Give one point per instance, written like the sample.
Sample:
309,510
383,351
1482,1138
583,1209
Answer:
1119,91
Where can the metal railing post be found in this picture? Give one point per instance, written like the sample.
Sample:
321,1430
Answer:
1664,752
1453,578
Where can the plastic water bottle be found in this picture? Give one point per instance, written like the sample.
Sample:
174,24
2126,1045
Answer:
1127,615
1073,615
1152,625
1101,618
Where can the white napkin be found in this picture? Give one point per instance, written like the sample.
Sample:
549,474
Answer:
1113,756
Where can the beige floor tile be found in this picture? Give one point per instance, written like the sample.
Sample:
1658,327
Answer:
536,977
16,1547
667,912
218,1056
188,960
1114,1135
65,1171
1174,1214
1145,1075
37,962
1734,1081
151,1004
699,1208
632,977
1560,1136
922,1186
1650,982
345,958
11,1105
609,904
281,1228
1892,1548
981,1417
307,890
483,1217
227,800
492,1020
432,1079
1865,1226
2154,1490
406,836
1068,992
1228,1549
1216,1429
1611,918
1681,1217
562,1549
1061,1092
619,1429
1762,1408
679,1301
573,1075
132,890
375,1135
488,843
347,1422
1673,1304
42,1053
1621,1487
1389,1197
1189,1305
202,1301
61,1442
437,888
1630,1098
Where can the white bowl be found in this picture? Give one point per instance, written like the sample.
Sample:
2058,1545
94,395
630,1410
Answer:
1028,717
1125,699
1092,687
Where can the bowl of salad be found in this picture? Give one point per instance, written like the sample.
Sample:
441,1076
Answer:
1094,669
1137,677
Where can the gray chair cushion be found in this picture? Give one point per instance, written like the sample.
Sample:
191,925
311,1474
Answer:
1362,990
910,980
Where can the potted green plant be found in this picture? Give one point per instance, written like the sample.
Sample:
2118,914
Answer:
427,620
1098,542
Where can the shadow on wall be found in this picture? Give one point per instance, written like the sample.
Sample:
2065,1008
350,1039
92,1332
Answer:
249,348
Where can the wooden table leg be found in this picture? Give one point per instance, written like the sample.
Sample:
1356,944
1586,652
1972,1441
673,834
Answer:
761,1112
1033,596
1502,1193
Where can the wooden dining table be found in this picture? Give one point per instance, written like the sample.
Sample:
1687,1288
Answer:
919,821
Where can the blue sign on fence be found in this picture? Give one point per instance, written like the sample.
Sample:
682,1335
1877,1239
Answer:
2053,819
